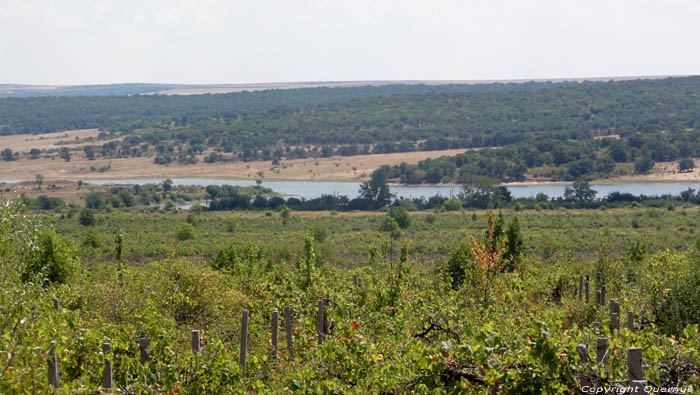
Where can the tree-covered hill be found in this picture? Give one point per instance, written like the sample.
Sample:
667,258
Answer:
553,130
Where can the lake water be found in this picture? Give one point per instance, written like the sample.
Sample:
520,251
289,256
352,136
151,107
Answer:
313,189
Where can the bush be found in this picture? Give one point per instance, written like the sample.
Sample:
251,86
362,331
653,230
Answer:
400,215
680,306
320,233
53,261
452,204
86,218
185,232
92,239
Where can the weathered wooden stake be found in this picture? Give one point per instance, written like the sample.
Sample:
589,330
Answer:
143,349
597,278
582,351
320,320
580,287
275,331
614,323
107,371
602,350
244,340
586,286
602,295
630,321
634,364
55,304
354,280
52,365
288,330
596,325
597,297
196,346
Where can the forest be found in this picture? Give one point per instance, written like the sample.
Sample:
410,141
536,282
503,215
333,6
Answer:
554,131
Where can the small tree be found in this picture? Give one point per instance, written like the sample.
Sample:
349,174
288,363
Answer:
86,218
400,215
686,165
53,261
39,179
643,165
285,213
185,232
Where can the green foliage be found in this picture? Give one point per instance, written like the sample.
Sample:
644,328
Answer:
401,216
53,260
319,233
86,217
185,232
677,304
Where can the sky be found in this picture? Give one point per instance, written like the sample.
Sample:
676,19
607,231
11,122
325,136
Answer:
230,41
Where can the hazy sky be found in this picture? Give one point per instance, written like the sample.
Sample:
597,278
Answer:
210,41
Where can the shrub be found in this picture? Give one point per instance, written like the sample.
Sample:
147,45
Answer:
453,204
53,261
86,218
400,215
680,305
92,239
320,233
185,232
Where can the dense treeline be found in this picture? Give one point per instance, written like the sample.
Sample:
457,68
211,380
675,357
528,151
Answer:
36,115
559,131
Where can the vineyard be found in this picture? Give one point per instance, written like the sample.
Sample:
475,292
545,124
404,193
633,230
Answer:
520,302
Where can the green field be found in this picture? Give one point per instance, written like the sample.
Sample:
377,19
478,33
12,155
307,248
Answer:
440,308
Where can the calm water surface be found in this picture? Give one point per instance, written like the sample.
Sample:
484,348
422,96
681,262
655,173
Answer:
313,189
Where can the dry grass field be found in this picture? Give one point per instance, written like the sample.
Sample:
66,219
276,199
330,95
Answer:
334,168
25,142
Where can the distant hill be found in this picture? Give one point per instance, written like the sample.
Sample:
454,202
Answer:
127,89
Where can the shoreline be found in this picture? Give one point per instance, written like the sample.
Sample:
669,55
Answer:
345,181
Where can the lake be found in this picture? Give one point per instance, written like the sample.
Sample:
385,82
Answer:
314,189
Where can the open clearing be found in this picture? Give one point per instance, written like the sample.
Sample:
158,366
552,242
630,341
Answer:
337,168
25,142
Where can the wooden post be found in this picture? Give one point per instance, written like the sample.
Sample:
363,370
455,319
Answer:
617,308
597,278
596,325
597,297
244,340
630,321
55,304
602,295
143,349
275,331
586,286
602,350
196,346
107,371
614,323
320,321
52,365
580,287
288,330
354,280
634,364
582,351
